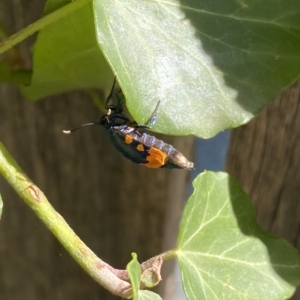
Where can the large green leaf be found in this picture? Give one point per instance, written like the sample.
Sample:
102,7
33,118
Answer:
222,252
212,64
67,56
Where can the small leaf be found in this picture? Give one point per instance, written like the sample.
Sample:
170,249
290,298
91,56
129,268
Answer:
1,206
134,272
212,64
222,252
148,295
67,56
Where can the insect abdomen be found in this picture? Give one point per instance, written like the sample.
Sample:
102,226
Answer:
161,154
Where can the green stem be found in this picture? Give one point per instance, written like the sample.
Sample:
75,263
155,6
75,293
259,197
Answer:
1,206
36,200
41,23
169,254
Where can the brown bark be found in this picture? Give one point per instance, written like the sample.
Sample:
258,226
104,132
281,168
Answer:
264,156
115,206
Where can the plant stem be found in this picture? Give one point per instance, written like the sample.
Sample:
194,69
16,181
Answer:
1,206
169,254
41,23
149,263
36,200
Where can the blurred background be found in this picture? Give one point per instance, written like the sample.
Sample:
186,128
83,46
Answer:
117,207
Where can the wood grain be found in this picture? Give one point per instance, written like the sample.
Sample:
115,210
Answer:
264,156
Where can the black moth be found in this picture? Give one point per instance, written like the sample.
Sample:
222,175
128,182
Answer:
139,147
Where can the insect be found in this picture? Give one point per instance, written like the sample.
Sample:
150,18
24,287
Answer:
139,147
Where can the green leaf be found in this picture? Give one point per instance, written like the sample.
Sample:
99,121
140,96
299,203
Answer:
10,76
67,56
212,64
134,272
222,252
1,206
148,295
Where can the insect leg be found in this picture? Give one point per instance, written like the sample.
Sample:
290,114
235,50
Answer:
115,98
110,96
150,123
153,117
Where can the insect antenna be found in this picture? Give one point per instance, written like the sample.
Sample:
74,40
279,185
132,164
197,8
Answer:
83,125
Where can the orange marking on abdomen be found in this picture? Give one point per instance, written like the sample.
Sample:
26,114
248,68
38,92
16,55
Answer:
140,147
156,158
128,139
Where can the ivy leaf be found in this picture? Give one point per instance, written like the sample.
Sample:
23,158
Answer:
213,65
222,252
67,56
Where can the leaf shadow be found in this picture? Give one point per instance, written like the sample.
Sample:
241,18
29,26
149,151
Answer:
248,46
284,258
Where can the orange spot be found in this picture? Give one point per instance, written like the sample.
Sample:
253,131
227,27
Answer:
140,147
156,158
128,139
